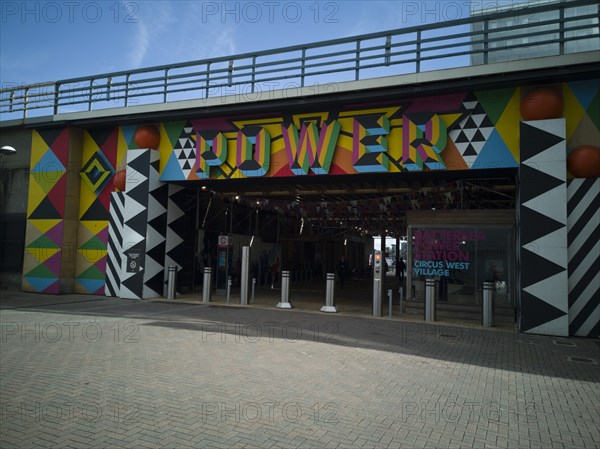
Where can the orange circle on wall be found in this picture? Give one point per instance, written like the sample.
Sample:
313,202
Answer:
584,162
147,137
119,180
541,104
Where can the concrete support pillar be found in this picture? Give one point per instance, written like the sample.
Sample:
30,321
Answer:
53,211
144,229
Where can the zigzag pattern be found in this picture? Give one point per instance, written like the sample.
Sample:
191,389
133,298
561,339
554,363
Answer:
583,221
156,230
145,227
543,216
115,244
176,221
135,222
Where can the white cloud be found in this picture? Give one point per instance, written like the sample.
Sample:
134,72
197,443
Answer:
165,35
154,32
220,43
203,39
139,46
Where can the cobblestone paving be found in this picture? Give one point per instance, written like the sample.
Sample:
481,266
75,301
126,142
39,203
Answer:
97,372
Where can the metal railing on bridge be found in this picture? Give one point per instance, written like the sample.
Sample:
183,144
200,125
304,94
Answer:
532,31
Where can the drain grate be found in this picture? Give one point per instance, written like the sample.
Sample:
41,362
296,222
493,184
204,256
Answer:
582,360
448,335
565,343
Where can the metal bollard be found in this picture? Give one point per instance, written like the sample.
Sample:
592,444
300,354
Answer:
376,297
253,287
488,304
429,299
390,304
285,291
228,288
206,286
329,307
245,271
171,281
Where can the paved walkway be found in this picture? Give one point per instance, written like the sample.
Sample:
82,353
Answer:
81,371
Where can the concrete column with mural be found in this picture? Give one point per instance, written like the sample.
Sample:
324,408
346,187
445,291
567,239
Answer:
144,220
543,230
559,197
52,211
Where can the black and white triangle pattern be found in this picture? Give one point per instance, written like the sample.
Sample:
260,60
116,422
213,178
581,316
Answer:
156,231
115,244
176,221
473,131
543,228
583,221
135,219
185,150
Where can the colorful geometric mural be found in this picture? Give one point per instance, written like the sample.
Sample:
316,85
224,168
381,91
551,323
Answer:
560,256
582,111
45,211
460,131
102,152
446,132
487,136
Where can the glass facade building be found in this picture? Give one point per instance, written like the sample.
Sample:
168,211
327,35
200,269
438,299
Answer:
523,33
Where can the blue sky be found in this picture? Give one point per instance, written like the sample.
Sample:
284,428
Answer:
47,41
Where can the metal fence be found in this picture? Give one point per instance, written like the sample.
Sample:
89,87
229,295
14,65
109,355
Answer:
543,30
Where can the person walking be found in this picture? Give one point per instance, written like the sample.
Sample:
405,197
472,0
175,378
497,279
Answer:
400,267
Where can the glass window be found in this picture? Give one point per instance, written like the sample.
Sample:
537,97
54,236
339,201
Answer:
461,259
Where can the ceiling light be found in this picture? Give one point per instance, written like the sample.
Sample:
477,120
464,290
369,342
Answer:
7,151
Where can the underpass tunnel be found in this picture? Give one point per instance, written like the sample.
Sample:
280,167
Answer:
306,228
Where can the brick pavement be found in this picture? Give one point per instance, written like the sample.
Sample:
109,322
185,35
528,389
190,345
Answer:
98,372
